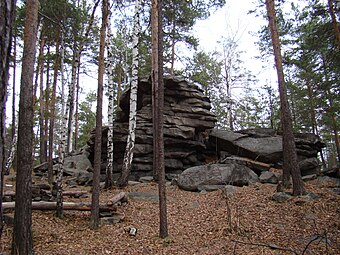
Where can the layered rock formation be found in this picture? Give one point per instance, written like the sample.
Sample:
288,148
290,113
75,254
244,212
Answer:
187,117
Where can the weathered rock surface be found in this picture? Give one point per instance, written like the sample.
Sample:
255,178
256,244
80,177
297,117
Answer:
265,145
216,174
187,116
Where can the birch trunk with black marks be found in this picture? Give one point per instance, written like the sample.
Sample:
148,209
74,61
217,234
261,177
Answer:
128,156
111,98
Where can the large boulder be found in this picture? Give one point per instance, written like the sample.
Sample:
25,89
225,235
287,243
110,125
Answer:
265,145
216,174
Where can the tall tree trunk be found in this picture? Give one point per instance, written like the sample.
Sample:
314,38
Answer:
157,108
52,111
334,21
47,104
130,144
76,115
290,162
7,15
77,52
42,155
63,139
22,230
111,99
94,224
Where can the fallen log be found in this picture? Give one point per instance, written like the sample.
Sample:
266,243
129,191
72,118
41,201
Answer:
46,206
68,193
120,197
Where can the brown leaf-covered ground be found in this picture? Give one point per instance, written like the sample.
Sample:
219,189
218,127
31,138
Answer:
248,222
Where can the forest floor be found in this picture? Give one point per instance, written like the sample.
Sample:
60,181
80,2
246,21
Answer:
247,222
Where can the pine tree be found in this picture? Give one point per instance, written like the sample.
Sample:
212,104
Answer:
22,230
157,110
290,163
94,224
7,14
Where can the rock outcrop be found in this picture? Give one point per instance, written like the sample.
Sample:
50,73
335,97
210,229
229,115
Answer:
187,117
265,145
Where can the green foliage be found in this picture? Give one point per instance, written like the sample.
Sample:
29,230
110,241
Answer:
87,118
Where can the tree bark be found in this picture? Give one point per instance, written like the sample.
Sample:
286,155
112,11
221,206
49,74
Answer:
7,15
94,224
158,94
130,144
290,162
111,99
22,230
52,110
334,21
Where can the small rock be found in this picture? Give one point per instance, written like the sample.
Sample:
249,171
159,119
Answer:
146,179
309,177
115,218
268,177
228,190
281,197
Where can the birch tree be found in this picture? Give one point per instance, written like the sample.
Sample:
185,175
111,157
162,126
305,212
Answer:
22,230
111,97
94,224
7,14
290,162
157,110
128,156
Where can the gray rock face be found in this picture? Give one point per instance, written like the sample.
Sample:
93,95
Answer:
216,174
269,177
187,115
265,145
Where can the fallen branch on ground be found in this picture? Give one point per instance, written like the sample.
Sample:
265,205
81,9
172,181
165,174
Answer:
271,246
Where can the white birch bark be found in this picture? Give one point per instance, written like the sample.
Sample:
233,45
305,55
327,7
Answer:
126,167
111,92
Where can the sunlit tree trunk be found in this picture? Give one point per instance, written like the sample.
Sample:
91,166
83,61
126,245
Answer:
22,230
94,224
290,162
111,98
128,156
76,115
7,15
157,109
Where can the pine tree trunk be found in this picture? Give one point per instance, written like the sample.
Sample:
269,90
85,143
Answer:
7,15
128,156
42,155
52,111
334,21
290,162
47,105
158,106
22,230
111,98
63,139
94,224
